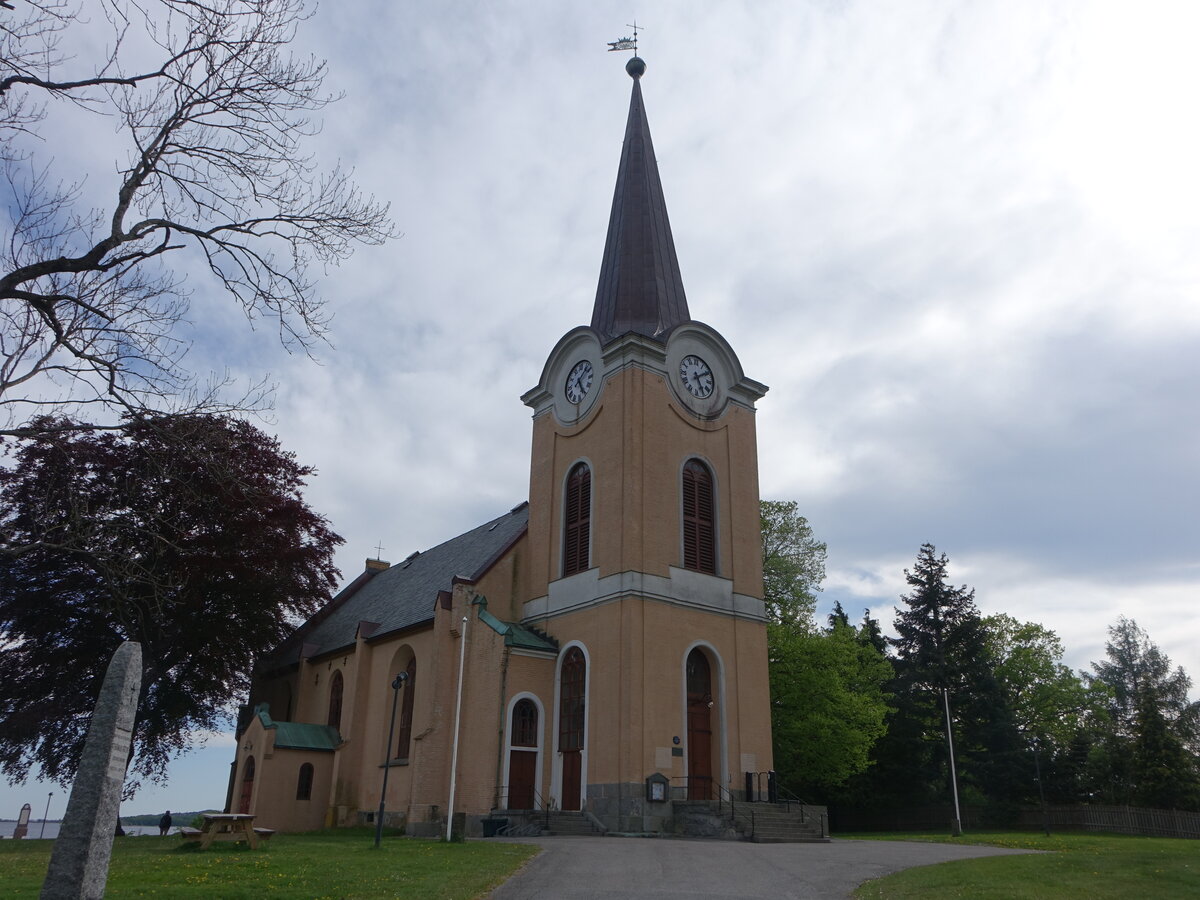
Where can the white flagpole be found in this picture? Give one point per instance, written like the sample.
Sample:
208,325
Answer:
462,655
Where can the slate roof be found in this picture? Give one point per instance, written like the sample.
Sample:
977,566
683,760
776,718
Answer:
640,288
299,735
405,594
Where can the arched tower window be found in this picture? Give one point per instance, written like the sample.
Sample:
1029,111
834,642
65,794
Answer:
335,701
699,525
404,741
304,782
577,520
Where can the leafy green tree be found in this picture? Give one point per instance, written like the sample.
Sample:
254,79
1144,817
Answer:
1046,698
189,535
828,705
793,564
827,697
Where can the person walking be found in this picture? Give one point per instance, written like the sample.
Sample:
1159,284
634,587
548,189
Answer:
164,824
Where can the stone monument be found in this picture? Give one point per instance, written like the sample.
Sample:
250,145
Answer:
79,863
22,828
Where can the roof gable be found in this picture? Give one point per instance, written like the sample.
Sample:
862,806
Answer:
404,595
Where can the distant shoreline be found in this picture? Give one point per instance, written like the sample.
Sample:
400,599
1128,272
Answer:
8,826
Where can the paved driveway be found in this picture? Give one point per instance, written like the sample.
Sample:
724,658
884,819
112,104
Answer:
589,868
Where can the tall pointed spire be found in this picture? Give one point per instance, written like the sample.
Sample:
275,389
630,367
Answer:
640,287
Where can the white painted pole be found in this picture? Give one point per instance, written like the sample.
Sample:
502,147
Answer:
462,655
956,826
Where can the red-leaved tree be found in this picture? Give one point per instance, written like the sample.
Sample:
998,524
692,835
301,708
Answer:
189,535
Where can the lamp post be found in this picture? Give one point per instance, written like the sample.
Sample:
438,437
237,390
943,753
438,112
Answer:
397,683
956,825
45,816
1037,767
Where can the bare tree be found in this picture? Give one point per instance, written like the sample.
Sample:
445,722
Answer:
213,110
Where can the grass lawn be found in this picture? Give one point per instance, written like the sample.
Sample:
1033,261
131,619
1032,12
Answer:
328,864
1082,865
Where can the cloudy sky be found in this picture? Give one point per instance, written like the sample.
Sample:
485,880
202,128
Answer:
956,240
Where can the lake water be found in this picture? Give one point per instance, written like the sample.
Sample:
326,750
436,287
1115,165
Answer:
7,826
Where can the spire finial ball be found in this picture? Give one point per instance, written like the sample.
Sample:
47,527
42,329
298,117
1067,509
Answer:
635,67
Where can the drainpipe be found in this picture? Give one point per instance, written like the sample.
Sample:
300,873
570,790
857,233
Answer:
500,730
462,655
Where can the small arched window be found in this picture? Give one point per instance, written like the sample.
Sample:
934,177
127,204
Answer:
335,701
304,782
699,525
577,520
406,711
525,724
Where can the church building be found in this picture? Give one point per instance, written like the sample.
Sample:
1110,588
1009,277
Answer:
600,648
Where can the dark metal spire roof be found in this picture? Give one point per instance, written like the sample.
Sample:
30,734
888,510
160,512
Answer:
640,287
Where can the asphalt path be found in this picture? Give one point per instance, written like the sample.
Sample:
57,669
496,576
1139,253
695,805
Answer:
591,868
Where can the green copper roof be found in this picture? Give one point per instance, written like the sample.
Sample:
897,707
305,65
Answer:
515,635
299,735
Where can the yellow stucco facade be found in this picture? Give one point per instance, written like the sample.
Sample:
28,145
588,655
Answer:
609,630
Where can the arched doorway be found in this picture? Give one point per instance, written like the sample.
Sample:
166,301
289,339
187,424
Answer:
522,755
699,726
247,786
571,716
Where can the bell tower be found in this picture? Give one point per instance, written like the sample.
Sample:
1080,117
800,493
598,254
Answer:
644,531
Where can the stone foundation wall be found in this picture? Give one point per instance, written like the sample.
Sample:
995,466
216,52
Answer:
624,808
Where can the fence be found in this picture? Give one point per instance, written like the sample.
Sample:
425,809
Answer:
1119,819
1080,817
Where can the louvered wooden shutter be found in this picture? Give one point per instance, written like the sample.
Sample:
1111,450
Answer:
578,520
699,527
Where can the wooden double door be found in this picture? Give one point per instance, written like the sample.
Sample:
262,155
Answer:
699,726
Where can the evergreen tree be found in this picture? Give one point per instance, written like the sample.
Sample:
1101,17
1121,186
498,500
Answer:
838,617
942,654
1165,773
1147,752
871,633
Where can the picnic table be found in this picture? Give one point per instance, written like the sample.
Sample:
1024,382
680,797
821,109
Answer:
227,827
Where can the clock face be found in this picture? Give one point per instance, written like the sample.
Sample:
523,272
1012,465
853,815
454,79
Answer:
696,376
579,381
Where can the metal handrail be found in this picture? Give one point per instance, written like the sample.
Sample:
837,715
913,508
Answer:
540,803
789,798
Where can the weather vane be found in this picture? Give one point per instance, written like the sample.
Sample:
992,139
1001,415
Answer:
627,43
379,550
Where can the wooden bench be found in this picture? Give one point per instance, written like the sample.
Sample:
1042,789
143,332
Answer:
190,834
264,833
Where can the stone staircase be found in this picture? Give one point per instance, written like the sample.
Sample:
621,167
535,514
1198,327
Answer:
779,823
566,822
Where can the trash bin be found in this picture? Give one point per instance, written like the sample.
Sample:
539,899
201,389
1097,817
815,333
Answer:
492,825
